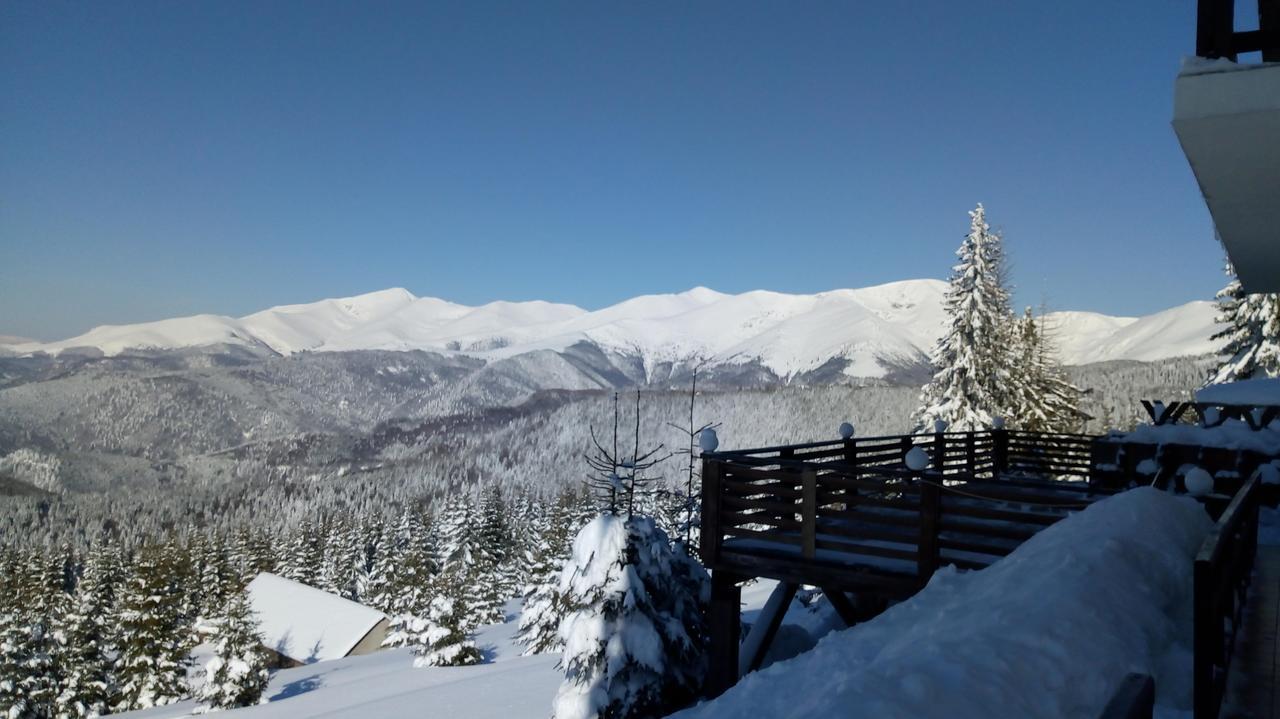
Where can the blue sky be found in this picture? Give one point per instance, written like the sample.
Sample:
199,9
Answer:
160,159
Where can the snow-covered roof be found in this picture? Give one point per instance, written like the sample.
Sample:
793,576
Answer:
1250,392
305,623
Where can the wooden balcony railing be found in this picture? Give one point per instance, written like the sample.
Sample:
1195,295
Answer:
1223,568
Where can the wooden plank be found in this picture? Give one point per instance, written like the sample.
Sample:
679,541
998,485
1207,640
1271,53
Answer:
953,507
767,535
870,550
737,519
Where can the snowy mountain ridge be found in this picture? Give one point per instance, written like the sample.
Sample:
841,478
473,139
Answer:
868,330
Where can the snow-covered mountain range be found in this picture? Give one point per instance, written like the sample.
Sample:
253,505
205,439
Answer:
869,330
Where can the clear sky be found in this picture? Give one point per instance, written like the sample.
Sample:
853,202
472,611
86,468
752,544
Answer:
161,159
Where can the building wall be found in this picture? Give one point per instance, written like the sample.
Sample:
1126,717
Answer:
372,641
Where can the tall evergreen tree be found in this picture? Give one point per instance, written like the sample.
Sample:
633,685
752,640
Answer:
1041,397
237,675
154,637
444,638
1251,329
970,381
544,608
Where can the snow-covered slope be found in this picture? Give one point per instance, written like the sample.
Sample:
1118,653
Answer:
869,330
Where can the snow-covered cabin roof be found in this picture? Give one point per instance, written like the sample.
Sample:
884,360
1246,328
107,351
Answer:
305,623
1249,392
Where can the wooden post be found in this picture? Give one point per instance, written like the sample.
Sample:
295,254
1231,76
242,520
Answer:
709,548
809,514
930,508
970,456
724,624
939,452
1215,29
999,451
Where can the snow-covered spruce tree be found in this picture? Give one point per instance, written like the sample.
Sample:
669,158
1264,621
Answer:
1251,329
410,583
544,608
153,645
969,385
634,636
23,668
237,674
1041,399
88,686
444,639
491,577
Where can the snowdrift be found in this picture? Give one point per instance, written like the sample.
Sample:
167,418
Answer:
1049,631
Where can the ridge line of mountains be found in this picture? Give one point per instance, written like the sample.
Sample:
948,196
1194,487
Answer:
868,332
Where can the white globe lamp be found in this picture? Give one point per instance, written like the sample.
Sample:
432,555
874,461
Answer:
917,459
1198,482
707,440
846,430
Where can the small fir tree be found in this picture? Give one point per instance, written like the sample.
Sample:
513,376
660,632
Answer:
444,638
237,675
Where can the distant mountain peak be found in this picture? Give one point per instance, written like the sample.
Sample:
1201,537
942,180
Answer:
866,329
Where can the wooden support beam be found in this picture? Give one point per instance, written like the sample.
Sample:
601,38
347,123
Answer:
724,624
710,534
840,602
756,646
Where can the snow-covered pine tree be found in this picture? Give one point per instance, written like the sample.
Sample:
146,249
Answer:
237,675
88,686
300,560
343,560
634,635
1041,398
490,577
544,608
411,581
24,668
634,638
1251,328
444,639
153,645
969,387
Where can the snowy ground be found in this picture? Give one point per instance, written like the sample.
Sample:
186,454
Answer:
506,686
1048,631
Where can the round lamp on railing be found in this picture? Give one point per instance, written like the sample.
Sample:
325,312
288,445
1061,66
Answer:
846,430
708,440
940,426
917,459
997,422
1198,482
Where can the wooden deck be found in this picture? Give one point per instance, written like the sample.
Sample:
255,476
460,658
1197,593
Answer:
850,517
